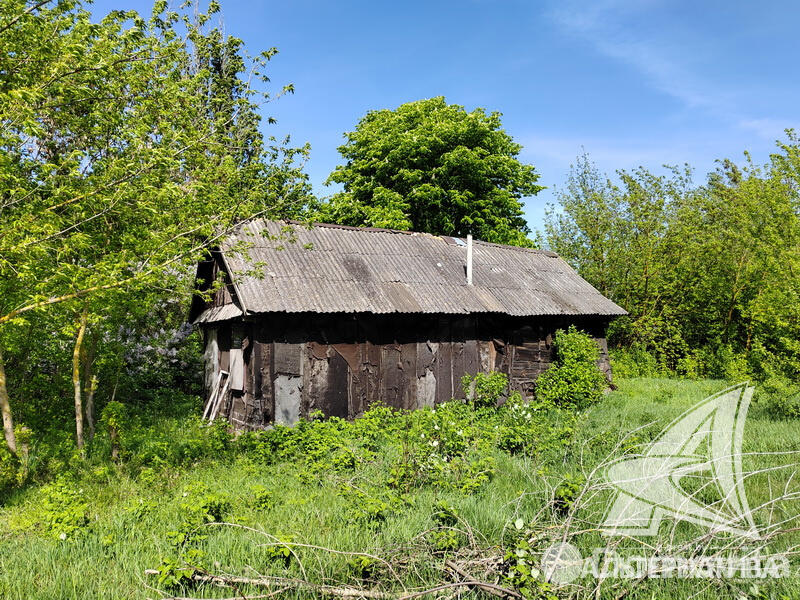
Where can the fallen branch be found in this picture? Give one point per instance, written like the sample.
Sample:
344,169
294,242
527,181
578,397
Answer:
340,592
329,590
482,585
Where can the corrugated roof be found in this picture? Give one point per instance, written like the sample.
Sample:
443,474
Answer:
219,313
292,267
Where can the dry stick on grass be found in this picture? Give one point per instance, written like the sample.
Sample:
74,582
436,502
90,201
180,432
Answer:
270,595
290,545
266,581
486,587
340,592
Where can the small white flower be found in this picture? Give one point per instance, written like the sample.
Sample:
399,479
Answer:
436,427
62,537
435,443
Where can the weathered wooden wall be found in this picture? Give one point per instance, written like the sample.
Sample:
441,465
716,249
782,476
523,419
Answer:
341,364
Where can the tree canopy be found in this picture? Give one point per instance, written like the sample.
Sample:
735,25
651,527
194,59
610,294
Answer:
127,148
706,271
433,167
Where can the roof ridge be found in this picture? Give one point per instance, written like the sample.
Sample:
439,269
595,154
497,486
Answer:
549,253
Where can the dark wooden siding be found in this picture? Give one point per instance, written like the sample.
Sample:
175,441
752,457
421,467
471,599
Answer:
341,364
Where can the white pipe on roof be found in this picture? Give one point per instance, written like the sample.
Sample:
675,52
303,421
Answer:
469,259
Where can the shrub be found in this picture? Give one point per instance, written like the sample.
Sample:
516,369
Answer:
263,499
9,469
633,361
485,389
64,509
574,380
721,361
780,397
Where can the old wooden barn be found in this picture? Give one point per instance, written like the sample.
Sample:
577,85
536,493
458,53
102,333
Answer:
334,318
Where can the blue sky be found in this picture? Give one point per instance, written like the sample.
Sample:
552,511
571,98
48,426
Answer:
633,83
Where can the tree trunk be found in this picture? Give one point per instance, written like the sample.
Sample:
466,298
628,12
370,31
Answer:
5,407
90,381
90,407
114,435
76,380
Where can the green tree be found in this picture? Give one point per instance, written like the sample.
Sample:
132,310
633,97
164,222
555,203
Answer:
127,149
433,167
708,270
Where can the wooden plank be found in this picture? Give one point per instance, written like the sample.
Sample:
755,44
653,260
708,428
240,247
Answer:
287,359
236,369
443,371
336,392
372,371
458,369
391,376
315,377
408,376
425,372
267,396
472,359
357,391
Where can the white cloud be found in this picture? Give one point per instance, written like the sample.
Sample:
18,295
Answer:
672,61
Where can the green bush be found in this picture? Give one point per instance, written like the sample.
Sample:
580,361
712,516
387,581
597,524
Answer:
780,397
9,469
573,381
633,361
485,389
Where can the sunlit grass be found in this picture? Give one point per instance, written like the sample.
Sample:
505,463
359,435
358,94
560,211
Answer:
131,515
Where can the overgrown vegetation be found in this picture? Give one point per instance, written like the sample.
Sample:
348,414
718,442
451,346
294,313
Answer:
573,380
129,145
391,503
708,272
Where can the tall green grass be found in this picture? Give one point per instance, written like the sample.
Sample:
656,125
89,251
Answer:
131,512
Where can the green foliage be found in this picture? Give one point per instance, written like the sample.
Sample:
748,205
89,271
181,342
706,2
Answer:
364,567
115,416
528,427
263,499
566,492
522,567
708,272
124,140
485,389
506,521
780,397
433,167
9,470
280,551
174,572
63,511
574,379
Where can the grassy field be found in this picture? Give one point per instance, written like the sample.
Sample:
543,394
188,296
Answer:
393,509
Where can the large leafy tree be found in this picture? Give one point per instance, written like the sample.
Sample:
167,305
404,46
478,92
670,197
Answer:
711,266
433,167
127,148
